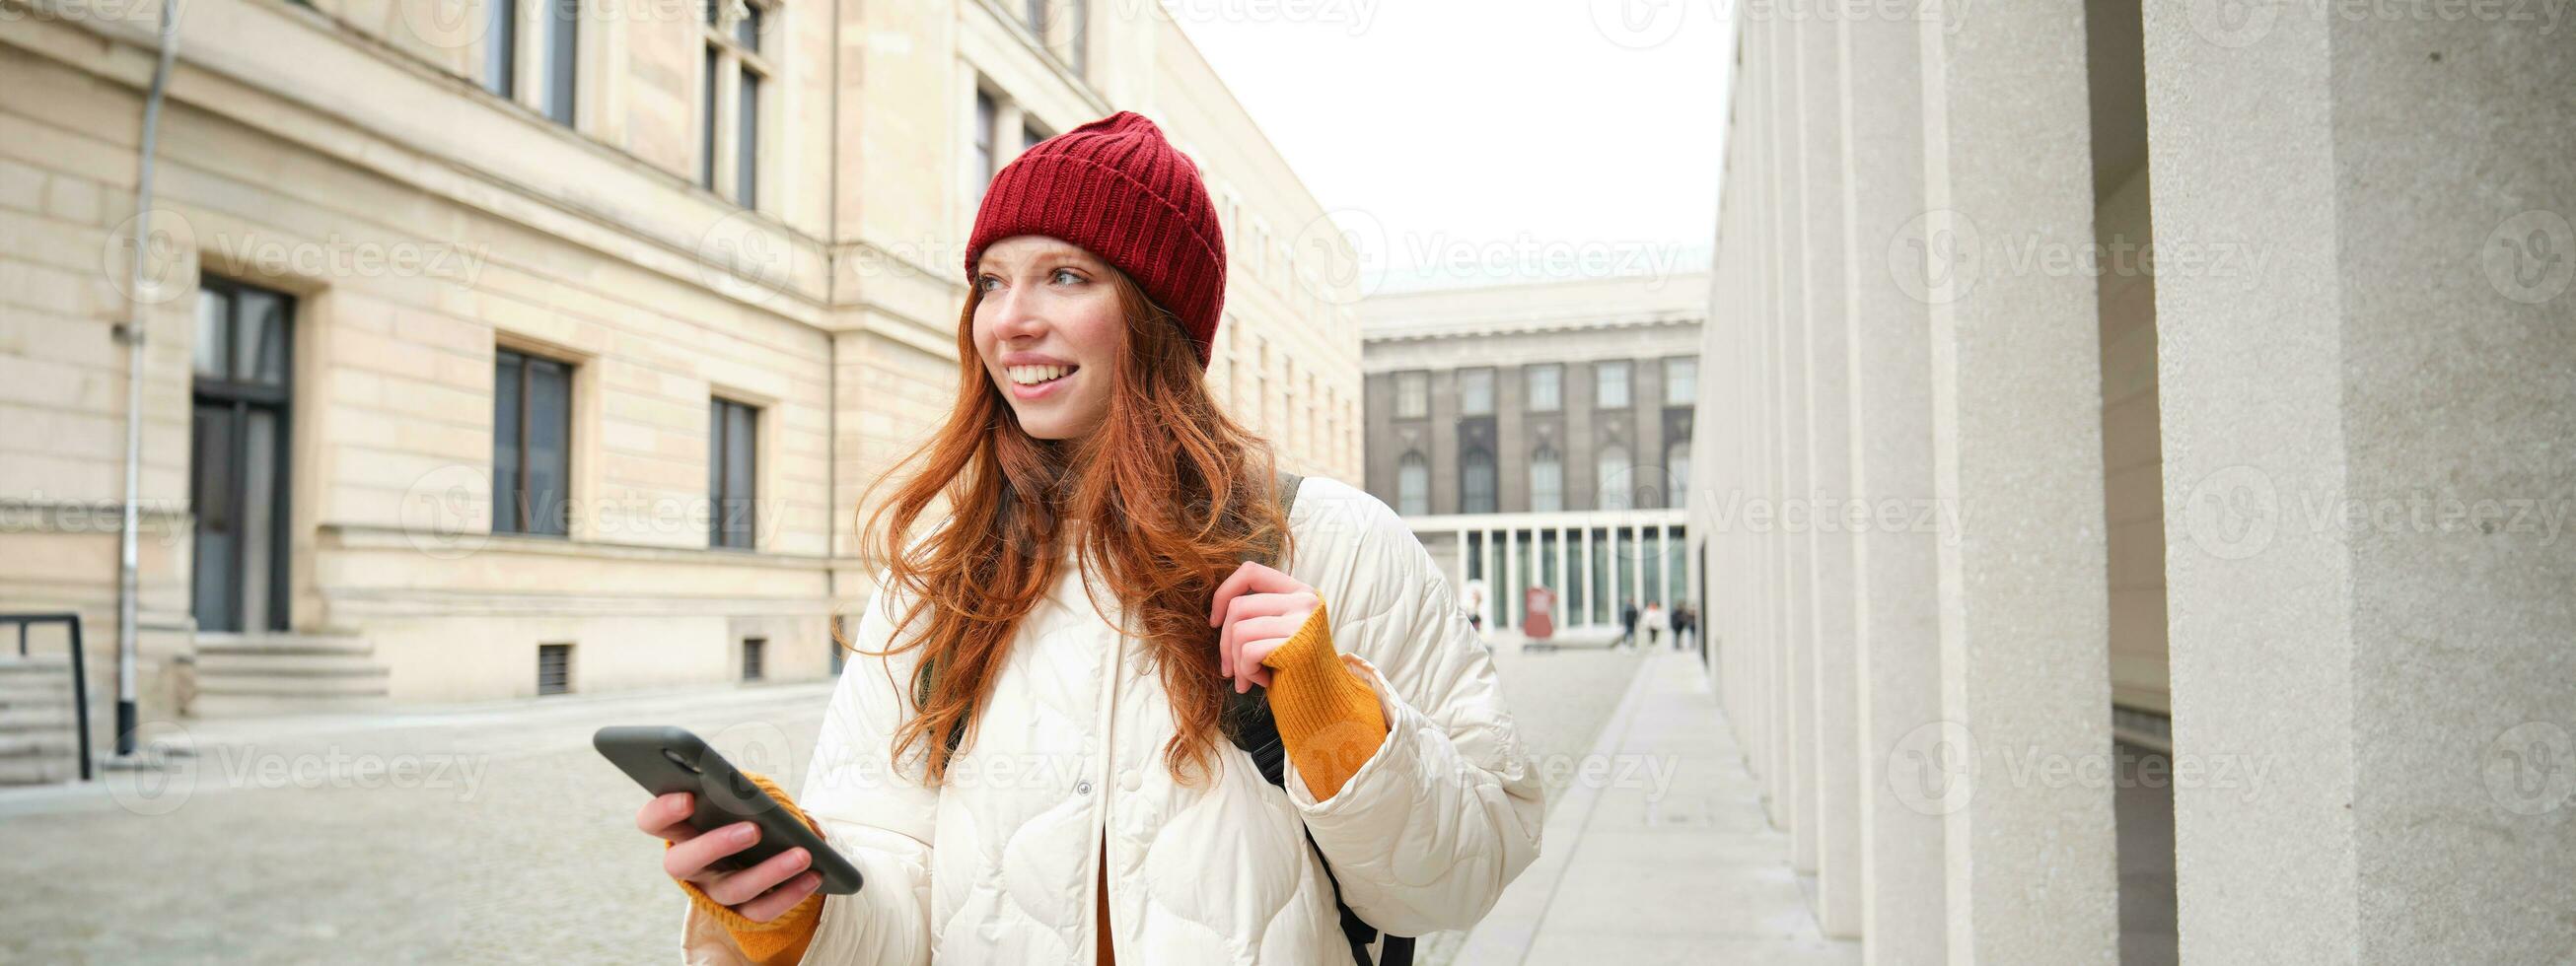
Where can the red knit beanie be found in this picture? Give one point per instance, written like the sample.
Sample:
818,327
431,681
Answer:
1118,190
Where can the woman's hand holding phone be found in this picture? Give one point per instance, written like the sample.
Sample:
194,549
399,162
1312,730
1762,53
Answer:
760,893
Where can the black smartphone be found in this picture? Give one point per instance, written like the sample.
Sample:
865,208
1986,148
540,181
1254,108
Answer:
666,759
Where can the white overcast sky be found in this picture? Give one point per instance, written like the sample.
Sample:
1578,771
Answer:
1533,139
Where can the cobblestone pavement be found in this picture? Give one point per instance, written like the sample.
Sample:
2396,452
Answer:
482,833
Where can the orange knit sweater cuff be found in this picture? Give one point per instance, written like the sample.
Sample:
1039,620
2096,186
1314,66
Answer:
780,940
1328,715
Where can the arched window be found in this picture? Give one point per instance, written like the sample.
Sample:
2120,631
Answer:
1413,485
1617,486
1476,482
1546,481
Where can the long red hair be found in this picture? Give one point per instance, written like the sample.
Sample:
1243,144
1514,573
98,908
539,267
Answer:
1164,501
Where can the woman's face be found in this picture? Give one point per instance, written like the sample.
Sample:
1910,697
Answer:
1049,330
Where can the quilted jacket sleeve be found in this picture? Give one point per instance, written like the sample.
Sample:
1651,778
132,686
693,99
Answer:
1447,812
877,816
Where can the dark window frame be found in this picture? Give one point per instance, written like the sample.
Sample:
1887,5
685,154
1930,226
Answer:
726,529
563,62
239,395
501,48
524,520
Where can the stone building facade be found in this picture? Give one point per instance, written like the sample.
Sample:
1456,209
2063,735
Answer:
1539,434
497,347
2176,400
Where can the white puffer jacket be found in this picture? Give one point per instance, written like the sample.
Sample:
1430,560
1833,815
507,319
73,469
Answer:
997,867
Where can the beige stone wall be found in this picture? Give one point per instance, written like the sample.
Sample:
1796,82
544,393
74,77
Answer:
297,140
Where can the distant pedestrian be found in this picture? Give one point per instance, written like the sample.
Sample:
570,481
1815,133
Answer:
1654,623
1681,622
1627,624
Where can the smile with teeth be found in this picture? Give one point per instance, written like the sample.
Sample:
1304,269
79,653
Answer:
1038,375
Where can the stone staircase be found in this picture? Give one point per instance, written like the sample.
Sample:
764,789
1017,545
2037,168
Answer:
39,736
240,675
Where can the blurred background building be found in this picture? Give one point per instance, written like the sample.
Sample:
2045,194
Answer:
510,347
2152,401
1539,435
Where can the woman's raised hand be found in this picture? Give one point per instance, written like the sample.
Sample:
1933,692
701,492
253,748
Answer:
760,893
1257,608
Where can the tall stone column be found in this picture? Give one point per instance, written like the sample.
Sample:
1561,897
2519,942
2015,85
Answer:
1827,375
1760,58
1789,232
2368,410
1895,571
2017,448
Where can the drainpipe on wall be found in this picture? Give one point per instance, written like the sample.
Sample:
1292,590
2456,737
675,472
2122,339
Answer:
128,555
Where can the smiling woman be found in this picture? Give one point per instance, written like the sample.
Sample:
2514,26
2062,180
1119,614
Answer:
1096,606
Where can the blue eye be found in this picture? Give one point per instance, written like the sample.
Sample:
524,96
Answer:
985,283
1066,276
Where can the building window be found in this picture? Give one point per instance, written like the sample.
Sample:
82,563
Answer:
1413,485
1030,135
1412,395
736,35
1545,387
1610,385
554,669
531,445
501,47
563,58
1613,486
1677,473
1547,481
1035,11
1681,381
1476,482
1475,392
733,448
755,652
987,118
1077,45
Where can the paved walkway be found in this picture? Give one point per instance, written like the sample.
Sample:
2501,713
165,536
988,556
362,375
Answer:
1664,855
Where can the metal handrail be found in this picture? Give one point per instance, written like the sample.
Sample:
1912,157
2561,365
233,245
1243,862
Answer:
80,678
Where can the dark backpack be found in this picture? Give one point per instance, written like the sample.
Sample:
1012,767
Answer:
1248,723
